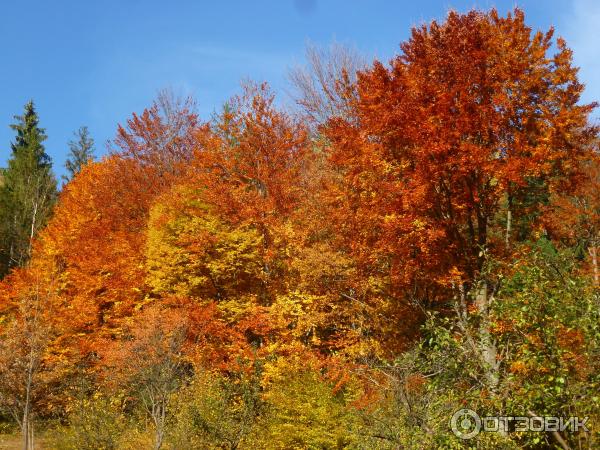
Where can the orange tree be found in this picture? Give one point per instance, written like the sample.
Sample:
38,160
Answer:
92,251
445,142
250,167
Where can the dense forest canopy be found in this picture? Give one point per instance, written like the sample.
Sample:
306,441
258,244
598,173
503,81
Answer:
418,237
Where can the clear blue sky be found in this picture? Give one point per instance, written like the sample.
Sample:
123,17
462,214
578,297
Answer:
95,62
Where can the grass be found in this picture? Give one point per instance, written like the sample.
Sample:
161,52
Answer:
14,442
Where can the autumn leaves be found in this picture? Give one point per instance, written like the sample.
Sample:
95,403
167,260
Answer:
262,238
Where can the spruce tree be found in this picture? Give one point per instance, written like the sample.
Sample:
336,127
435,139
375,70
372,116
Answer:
28,191
81,151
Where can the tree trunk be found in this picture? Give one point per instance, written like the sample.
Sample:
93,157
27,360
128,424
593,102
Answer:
26,427
555,434
33,228
159,423
486,342
508,228
25,432
508,220
593,251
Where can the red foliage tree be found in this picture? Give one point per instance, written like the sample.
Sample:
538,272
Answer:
471,112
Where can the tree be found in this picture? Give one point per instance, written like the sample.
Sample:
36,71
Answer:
106,208
305,406
28,192
266,273
162,136
219,411
250,167
192,253
152,364
159,353
81,152
25,337
324,87
574,218
472,110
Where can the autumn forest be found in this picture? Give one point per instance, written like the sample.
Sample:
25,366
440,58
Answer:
411,238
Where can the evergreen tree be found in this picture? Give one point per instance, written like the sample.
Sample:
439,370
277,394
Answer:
28,191
81,151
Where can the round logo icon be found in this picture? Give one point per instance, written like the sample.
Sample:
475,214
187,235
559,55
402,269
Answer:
465,423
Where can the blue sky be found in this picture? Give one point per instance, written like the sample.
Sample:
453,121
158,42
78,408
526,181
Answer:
95,62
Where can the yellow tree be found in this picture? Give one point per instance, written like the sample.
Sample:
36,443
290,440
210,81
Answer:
192,252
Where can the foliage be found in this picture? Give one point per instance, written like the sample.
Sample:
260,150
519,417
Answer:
27,373
96,423
546,325
218,411
191,252
27,191
425,241
305,408
472,109
81,152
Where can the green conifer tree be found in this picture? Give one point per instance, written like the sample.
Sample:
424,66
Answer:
28,191
81,151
